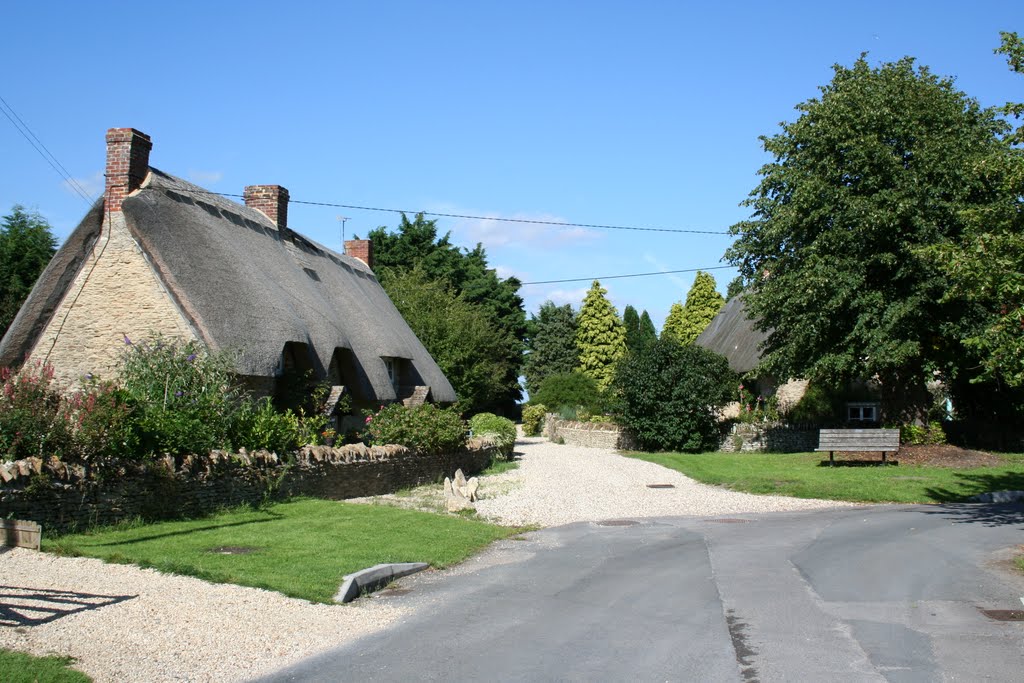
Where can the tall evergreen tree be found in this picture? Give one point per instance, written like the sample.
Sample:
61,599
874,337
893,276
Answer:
648,335
735,287
551,345
26,247
416,245
600,336
702,304
673,327
631,320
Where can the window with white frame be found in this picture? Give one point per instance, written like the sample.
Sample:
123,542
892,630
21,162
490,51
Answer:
862,412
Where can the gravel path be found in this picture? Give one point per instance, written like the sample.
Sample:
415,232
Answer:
123,624
562,484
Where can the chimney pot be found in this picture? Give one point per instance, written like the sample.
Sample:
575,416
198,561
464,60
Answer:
271,200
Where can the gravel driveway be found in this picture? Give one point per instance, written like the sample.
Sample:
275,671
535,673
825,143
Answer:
123,623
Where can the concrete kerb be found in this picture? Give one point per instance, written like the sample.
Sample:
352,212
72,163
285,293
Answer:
377,576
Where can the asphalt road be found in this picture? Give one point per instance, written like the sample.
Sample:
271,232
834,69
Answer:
889,593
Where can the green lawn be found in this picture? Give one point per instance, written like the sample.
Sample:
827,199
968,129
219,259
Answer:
801,475
301,548
18,667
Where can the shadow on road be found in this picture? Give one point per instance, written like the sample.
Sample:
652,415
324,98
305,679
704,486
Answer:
988,514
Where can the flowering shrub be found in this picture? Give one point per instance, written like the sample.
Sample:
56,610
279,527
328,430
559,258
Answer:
33,421
533,418
257,424
38,419
424,428
500,429
184,396
757,408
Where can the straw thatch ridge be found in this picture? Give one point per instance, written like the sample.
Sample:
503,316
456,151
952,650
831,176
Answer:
732,334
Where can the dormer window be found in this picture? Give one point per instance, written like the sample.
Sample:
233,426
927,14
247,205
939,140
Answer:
863,412
394,370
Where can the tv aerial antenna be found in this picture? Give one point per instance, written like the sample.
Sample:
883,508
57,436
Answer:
342,220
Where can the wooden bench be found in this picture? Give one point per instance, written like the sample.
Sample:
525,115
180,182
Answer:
832,440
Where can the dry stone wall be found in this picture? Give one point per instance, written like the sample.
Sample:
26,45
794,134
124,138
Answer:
768,437
63,498
590,434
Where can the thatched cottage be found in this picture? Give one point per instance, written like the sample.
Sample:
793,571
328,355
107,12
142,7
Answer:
160,256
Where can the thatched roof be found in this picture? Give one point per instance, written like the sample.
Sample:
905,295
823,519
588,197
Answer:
246,285
732,334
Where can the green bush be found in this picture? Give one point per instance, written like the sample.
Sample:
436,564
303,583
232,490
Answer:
103,423
425,428
501,429
917,435
573,389
533,418
670,396
185,397
258,424
818,406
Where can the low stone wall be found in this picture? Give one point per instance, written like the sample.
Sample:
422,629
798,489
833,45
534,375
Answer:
62,497
768,437
590,434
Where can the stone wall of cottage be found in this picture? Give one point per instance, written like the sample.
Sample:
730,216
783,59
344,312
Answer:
590,434
768,437
63,498
117,293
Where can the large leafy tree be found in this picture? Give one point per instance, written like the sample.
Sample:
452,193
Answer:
600,336
26,246
416,244
986,263
551,345
882,163
631,321
465,344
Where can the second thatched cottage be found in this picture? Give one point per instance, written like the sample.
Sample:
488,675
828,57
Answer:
160,256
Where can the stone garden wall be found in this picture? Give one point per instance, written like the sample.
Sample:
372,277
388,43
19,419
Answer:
768,437
62,498
590,434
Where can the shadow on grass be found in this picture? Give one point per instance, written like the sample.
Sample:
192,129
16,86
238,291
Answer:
183,532
35,606
973,484
858,463
988,514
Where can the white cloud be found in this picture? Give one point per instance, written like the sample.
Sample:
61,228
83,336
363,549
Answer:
678,281
505,272
567,296
205,176
493,232
93,185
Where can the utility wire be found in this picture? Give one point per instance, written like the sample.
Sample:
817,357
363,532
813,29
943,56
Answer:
482,218
48,156
617,277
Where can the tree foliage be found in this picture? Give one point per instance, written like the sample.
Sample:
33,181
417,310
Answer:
985,264
702,304
26,247
631,321
883,163
735,288
551,344
572,389
600,337
466,345
670,395
673,327
465,271
648,335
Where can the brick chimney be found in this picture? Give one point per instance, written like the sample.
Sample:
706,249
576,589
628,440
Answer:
360,249
271,200
127,164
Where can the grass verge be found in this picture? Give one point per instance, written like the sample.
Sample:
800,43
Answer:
18,667
801,475
301,548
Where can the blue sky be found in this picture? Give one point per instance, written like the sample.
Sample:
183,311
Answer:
625,113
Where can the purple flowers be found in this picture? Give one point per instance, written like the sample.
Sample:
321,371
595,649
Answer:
127,341
191,358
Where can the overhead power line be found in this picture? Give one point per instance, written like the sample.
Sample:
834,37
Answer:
39,147
560,224
618,277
